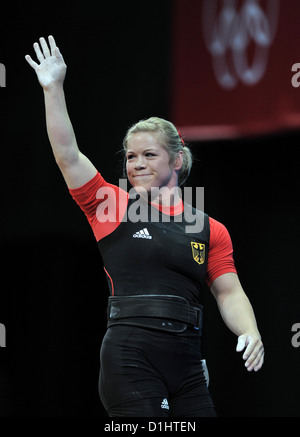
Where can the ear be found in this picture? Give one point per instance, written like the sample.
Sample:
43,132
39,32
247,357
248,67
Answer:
178,161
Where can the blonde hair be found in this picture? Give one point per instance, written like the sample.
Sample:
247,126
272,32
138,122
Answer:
169,138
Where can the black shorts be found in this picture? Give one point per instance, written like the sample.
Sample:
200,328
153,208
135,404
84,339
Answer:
145,373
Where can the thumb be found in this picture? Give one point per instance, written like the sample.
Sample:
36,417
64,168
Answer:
241,344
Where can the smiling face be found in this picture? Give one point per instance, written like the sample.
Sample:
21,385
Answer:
148,163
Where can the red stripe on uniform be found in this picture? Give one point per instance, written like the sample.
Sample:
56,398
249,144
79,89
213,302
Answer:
111,281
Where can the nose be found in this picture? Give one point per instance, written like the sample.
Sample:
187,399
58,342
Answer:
139,163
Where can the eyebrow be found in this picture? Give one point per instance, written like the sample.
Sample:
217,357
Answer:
146,150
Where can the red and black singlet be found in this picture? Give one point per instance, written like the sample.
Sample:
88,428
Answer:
153,257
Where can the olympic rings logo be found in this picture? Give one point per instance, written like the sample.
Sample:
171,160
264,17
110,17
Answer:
228,33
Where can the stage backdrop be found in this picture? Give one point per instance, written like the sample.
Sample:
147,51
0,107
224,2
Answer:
235,67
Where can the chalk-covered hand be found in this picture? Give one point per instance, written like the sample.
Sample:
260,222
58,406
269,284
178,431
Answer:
51,70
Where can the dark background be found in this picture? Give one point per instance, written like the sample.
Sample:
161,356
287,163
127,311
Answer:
53,291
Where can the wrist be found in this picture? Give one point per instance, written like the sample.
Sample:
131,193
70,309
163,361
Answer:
253,333
53,88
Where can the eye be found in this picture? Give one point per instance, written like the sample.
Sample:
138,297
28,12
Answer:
129,157
150,154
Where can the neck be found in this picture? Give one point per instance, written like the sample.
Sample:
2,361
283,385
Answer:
165,196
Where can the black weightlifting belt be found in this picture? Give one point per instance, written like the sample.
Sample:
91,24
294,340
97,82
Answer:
160,312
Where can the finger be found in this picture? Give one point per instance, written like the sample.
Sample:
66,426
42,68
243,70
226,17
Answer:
256,363
255,357
45,47
58,54
52,44
249,349
38,52
259,365
31,62
241,344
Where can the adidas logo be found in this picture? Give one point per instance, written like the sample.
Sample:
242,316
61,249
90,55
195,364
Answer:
165,404
142,234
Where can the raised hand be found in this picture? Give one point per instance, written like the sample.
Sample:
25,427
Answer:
52,69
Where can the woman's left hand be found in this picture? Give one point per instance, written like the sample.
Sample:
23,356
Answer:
254,350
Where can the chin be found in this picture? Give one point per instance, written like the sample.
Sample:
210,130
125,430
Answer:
142,188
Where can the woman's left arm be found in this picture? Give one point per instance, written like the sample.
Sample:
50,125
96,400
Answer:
238,315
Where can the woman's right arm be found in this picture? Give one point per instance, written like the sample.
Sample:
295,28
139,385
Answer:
75,167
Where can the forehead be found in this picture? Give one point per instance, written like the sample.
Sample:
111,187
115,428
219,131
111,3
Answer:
143,140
